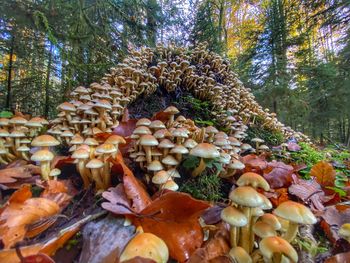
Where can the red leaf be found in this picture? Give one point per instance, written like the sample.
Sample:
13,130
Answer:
277,196
293,147
324,173
125,129
162,116
254,162
340,258
175,221
38,258
118,201
278,174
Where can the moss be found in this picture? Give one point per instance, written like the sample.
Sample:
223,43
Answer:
307,155
206,187
270,137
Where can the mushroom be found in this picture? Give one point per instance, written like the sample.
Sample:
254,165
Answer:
344,231
147,141
44,157
203,151
82,156
45,141
95,165
247,198
146,245
235,218
296,214
273,248
254,180
172,111
239,255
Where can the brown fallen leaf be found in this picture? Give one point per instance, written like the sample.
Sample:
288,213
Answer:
214,248
254,163
104,240
339,258
278,174
47,246
57,191
277,196
21,211
333,219
118,202
38,258
15,176
175,220
310,192
324,173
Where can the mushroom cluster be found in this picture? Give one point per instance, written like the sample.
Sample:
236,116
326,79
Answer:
250,225
15,136
160,146
206,75
92,159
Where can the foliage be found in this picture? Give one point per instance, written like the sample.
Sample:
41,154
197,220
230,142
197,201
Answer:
308,155
269,136
6,114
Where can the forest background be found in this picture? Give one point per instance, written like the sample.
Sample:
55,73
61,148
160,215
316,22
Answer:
294,55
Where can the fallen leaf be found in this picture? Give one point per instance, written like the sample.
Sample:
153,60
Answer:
340,258
215,247
38,258
212,215
57,191
293,147
162,116
278,174
324,173
333,219
277,196
175,220
18,174
310,192
21,211
49,245
132,187
254,163
118,202
104,240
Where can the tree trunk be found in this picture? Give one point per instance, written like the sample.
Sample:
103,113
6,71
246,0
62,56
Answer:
47,83
9,76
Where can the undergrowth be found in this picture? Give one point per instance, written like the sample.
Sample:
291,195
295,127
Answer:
271,138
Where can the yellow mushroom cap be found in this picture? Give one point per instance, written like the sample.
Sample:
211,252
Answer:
263,230
246,196
161,177
271,245
233,216
344,231
146,245
45,141
295,212
253,179
205,150
42,156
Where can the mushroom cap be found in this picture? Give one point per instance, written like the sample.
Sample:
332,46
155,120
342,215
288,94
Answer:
80,154
257,140
157,124
205,150
94,164
253,179
344,231
148,140
170,160
77,139
246,196
174,173
239,255
272,220
4,122
66,106
143,122
237,165
161,177
233,216
4,133
211,129
263,230
34,122
180,132
270,245
190,143
91,142
17,134
146,245
165,143
155,166
141,130
179,149
115,139
23,148
55,172
267,204
17,120
170,185
106,148
42,156
172,110
45,141
295,212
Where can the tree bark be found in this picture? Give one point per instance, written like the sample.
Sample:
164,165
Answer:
9,76
47,83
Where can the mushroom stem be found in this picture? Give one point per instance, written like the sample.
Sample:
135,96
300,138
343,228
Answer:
96,176
148,154
25,156
291,232
233,236
2,160
245,234
199,169
81,169
45,170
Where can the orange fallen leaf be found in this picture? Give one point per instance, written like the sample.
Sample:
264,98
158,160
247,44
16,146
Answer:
132,187
339,258
11,177
278,196
175,220
324,173
254,163
57,191
21,211
278,174
38,258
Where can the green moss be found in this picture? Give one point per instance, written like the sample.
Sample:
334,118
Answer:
206,187
269,136
307,155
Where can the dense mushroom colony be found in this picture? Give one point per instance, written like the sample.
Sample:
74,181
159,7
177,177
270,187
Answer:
249,223
206,75
16,134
